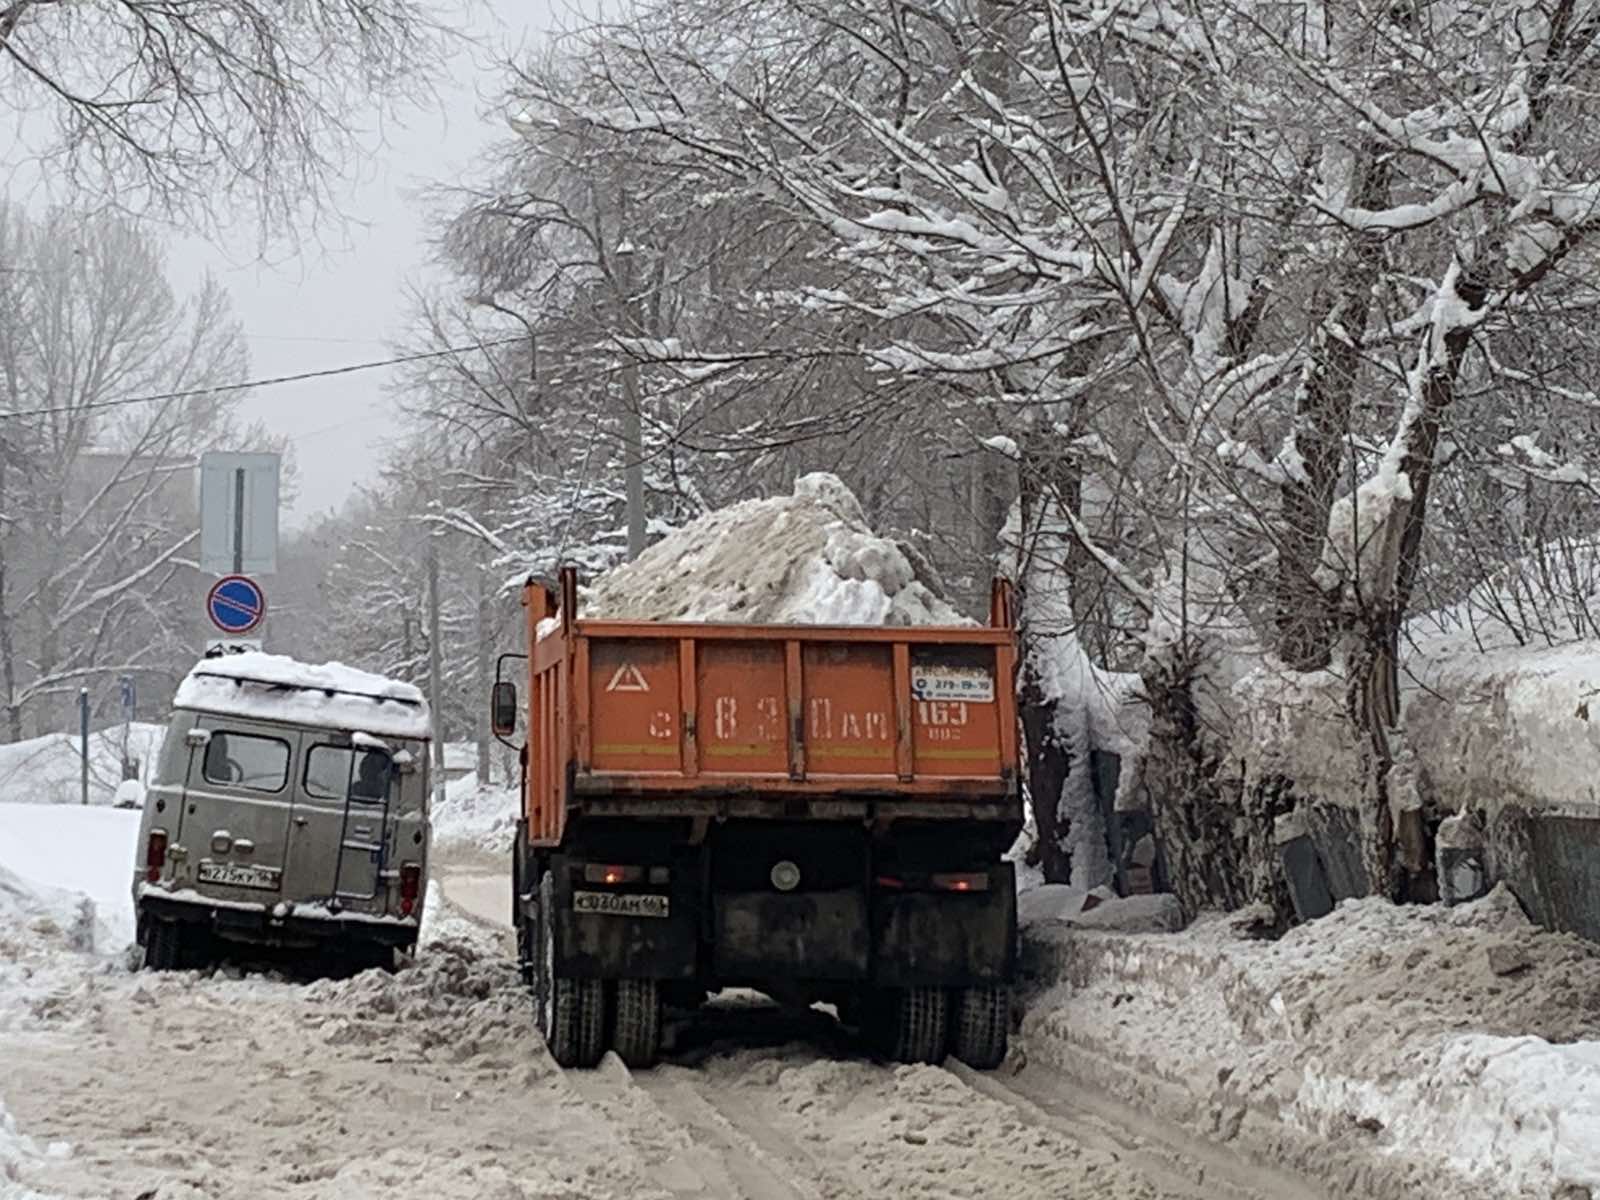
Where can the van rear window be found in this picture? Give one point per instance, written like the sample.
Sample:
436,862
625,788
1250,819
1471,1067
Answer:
245,760
329,775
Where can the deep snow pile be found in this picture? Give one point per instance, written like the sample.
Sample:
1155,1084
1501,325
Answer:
48,769
78,850
17,1152
462,990
809,558
474,819
1458,1048
1496,694
65,914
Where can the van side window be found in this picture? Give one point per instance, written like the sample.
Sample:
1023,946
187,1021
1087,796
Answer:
245,760
328,774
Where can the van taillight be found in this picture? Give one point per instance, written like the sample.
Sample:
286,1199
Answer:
155,854
410,881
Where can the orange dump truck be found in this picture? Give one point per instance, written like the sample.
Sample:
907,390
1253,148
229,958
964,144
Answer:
816,812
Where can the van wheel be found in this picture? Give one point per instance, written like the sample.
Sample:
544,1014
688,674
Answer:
164,948
981,1025
913,1024
571,1012
637,1037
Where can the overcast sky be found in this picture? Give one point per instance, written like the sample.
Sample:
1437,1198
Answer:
345,301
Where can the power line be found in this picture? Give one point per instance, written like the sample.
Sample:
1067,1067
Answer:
247,385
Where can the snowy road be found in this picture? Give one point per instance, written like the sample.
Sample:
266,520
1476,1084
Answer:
181,1087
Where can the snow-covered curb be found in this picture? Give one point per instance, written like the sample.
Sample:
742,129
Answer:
1378,1050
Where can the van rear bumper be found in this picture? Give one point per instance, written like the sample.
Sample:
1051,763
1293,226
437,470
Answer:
258,923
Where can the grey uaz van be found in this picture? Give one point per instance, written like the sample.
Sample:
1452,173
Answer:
289,807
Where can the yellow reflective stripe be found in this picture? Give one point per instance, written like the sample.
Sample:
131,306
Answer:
746,750
650,748
965,755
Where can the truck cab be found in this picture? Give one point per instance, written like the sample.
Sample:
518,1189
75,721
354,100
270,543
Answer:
289,808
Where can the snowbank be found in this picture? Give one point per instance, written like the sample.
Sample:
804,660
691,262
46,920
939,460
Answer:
331,696
476,819
47,936
47,769
809,558
75,849
1488,729
18,1152
1422,1052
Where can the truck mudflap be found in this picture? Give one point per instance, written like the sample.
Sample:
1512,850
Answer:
805,935
946,938
640,931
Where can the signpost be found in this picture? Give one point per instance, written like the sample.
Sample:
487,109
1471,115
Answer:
238,540
129,697
83,733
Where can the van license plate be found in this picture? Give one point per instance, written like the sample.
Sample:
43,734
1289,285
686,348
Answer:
236,875
609,904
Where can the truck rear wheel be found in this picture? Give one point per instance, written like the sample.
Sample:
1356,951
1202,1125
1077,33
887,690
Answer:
637,1035
571,1012
981,1026
914,1024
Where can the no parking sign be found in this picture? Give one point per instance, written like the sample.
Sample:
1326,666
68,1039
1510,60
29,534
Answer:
236,604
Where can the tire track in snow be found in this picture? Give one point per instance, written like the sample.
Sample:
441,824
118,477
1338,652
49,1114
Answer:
1181,1164
683,1141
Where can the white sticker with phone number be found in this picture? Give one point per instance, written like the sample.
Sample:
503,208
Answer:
972,684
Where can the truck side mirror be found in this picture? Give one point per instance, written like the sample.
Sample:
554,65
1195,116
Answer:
503,708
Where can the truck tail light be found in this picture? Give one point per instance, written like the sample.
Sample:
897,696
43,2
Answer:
890,881
410,882
962,882
610,874
155,854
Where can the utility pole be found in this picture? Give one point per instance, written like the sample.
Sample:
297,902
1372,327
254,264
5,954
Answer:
435,669
632,433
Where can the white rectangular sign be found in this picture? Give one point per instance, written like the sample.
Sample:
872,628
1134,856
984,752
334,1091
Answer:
238,513
972,684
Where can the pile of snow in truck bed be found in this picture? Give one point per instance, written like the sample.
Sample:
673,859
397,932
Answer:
330,696
1459,1047
809,558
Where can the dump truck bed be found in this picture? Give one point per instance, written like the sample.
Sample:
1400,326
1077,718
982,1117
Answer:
641,718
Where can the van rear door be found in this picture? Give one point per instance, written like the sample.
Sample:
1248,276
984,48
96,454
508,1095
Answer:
233,819
341,817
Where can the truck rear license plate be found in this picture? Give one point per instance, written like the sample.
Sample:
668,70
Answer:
610,904
235,875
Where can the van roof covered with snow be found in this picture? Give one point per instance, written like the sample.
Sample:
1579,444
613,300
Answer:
273,687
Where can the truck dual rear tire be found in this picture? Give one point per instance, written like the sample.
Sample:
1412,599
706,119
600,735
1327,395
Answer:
914,1024
571,1012
923,1024
636,1033
981,1026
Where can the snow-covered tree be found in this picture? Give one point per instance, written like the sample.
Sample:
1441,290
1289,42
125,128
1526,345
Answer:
97,520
